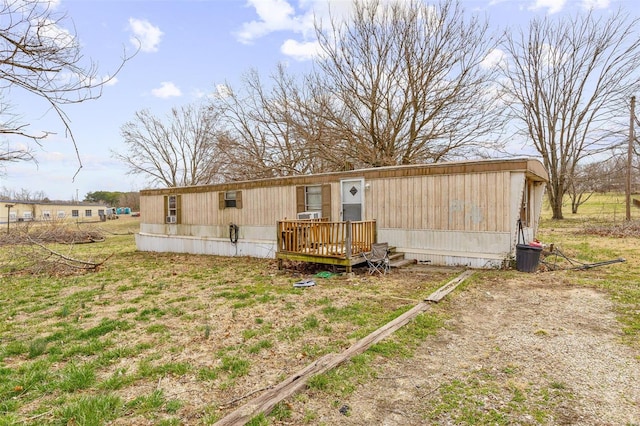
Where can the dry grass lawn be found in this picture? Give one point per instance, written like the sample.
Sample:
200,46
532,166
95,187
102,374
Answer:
166,339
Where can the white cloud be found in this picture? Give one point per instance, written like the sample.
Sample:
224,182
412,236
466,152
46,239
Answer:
145,35
51,157
48,30
108,80
281,15
596,4
495,58
273,15
223,90
301,51
199,94
166,90
553,57
553,6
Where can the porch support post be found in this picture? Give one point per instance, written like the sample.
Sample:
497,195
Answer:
278,236
348,246
348,241
375,231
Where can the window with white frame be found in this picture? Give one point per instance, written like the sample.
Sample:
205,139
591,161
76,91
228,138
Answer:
172,209
87,213
61,214
75,213
313,198
230,199
46,214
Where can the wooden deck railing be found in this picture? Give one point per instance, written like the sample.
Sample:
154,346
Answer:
330,239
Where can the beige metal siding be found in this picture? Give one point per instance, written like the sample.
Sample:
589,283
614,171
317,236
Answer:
152,209
469,202
260,206
471,196
265,206
465,202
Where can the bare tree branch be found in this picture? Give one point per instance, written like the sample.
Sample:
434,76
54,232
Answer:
180,151
39,56
568,83
262,128
30,254
406,82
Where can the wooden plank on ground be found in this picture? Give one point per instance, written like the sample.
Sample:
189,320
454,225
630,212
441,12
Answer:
294,383
440,293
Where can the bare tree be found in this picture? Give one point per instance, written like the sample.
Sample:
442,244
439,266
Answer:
397,83
22,194
568,82
40,57
262,137
130,199
582,184
278,128
406,82
180,151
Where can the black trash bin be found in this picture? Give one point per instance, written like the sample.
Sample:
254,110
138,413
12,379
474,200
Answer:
527,257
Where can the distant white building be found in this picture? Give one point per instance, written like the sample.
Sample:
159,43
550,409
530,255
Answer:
26,211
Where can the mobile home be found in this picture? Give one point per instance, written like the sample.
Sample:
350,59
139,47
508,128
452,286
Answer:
459,213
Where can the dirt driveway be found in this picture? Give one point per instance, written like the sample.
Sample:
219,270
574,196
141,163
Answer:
529,350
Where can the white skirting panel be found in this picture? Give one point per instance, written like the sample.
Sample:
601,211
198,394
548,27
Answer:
452,248
221,232
201,245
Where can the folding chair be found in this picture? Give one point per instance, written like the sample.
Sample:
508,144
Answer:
378,258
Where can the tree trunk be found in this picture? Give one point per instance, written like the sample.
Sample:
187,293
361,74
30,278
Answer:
555,200
575,203
556,208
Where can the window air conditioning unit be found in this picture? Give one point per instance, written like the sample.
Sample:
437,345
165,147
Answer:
171,219
309,215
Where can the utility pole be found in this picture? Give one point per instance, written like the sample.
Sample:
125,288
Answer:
8,206
627,186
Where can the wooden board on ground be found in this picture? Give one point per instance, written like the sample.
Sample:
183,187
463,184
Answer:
296,382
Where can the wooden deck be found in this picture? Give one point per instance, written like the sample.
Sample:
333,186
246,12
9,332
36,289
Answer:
320,241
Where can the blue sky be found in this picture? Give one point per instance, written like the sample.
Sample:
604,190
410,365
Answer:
186,49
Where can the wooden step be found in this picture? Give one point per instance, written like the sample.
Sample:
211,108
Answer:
397,260
395,256
402,262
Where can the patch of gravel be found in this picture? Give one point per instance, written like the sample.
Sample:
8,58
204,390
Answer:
557,343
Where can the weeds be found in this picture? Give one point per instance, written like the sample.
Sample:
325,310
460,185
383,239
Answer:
91,410
101,347
234,366
76,377
261,345
37,347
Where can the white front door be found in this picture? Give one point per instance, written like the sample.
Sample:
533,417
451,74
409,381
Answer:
352,196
